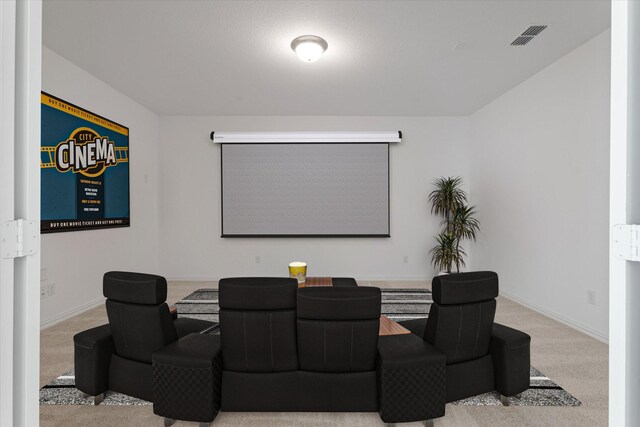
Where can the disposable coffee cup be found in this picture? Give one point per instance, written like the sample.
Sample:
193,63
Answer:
298,270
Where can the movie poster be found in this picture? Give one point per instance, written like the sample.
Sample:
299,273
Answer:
84,169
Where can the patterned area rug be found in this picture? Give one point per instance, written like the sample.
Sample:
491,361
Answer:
398,304
63,391
543,392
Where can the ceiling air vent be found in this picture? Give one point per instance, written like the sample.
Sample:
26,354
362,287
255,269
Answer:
528,35
521,41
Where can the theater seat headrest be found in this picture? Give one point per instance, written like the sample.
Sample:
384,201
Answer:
257,293
463,288
331,303
135,288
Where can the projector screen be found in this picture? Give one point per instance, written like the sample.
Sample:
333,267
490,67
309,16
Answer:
305,189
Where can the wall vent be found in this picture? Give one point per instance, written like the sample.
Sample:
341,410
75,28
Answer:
528,35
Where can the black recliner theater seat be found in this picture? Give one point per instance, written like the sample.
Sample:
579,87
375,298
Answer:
344,282
291,350
284,349
481,355
117,356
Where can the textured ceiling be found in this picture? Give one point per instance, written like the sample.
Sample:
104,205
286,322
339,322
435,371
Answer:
384,57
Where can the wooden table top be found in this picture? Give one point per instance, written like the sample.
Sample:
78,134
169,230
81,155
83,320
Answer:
316,281
391,327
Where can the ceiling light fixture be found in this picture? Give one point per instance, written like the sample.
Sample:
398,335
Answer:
309,48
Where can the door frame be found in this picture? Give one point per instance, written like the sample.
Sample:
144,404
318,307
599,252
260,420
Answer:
20,85
624,193
7,102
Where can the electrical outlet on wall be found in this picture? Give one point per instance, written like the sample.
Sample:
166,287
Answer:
257,259
591,297
51,289
405,259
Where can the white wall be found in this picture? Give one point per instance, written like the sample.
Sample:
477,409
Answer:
75,261
539,175
190,244
536,160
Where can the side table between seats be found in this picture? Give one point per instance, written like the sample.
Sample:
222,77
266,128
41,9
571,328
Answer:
186,379
411,380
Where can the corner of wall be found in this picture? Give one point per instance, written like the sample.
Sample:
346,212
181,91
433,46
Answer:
74,262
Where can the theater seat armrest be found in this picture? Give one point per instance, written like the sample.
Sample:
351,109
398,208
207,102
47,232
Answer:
92,354
509,337
511,353
187,378
196,350
185,326
408,349
411,379
416,326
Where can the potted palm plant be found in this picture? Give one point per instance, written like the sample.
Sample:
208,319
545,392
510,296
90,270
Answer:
450,201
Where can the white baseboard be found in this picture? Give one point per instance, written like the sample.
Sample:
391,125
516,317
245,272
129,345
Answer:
559,318
71,312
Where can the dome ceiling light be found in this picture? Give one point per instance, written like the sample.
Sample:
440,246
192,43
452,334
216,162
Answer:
309,48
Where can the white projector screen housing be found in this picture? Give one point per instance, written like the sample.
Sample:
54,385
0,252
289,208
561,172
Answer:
305,190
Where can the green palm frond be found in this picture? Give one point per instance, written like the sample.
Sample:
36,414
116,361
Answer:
447,196
464,225
459,222
447,253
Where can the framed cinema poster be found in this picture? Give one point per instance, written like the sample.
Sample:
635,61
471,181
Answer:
84,165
